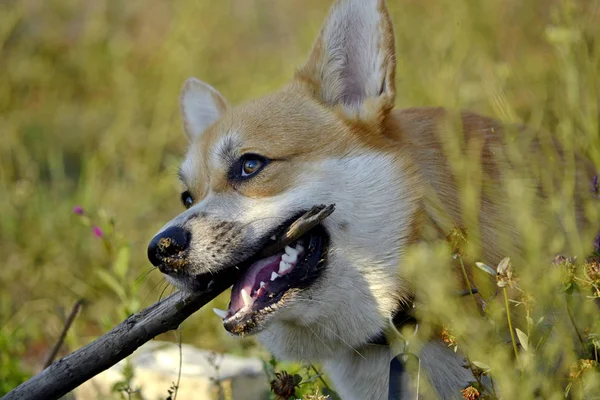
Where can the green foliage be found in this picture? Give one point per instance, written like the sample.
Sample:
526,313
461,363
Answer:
11,368
124,387
307,382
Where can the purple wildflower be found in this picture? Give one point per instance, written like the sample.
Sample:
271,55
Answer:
597,244
78,210
595,186
97,232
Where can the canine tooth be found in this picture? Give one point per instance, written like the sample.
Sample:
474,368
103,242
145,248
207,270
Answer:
247,299
273,237
299,248
290,250
284,267
262,284
290,258
274,275
220,313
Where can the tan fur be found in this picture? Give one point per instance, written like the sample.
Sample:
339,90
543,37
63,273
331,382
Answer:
334,138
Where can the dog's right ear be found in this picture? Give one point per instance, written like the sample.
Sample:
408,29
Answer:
353,60
201,106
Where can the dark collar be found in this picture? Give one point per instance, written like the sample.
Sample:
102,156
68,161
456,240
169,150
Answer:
405,315
402,316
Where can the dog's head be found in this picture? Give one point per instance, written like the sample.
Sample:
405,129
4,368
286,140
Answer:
250,170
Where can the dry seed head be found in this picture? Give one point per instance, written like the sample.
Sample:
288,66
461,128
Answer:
470,393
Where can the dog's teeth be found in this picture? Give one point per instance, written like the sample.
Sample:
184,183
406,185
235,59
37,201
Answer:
273,237
299,248
248,301
289,250
283,267
220,313
274,275
290,258
262,284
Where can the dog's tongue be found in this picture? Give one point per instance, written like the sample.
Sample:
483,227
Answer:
259,271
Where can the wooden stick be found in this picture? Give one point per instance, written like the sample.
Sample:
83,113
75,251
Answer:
66,374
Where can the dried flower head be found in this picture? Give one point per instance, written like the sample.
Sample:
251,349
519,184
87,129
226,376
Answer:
592,269
316,396
583,365
448,337
470,393
284,386
458,240
504,274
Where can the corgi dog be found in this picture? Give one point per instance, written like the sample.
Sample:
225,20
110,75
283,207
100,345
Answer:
329,136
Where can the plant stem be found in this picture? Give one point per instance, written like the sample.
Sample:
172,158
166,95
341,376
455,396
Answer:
510,327
573,320
52,355
179,339
464,271
320,375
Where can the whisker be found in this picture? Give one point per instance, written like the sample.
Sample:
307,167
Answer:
341,338
318,337
163,291
143,275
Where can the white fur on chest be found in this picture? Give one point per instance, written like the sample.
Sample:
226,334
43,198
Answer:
360,287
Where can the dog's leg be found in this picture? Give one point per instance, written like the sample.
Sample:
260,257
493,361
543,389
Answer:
366,375
444,370
362,374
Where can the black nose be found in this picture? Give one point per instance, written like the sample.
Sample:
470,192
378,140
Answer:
168,243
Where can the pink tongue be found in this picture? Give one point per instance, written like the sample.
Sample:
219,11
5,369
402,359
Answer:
259,271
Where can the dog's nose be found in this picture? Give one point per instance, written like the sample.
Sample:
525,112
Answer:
167,244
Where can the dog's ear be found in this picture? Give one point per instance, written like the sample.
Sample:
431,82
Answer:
201,106
353,60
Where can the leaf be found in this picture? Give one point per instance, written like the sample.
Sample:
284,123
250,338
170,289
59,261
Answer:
503,265
486,268
297,379
112,283
121,264
482,366
523,339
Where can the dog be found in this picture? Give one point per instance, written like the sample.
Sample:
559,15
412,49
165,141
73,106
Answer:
329,136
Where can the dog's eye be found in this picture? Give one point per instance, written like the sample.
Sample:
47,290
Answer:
186,199
251,164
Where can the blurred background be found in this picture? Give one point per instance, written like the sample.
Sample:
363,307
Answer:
89,118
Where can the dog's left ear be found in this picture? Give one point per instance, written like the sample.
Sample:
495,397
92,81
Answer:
353,61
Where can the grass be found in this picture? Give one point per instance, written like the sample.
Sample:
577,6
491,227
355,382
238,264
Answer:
89,116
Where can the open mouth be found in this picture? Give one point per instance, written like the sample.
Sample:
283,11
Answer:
285,262
267,283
